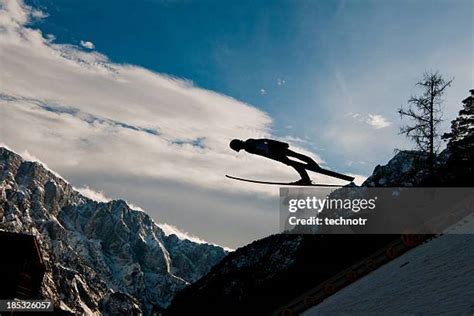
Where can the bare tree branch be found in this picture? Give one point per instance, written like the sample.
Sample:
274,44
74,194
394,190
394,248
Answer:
426,113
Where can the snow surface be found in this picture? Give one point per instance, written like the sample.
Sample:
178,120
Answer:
434,278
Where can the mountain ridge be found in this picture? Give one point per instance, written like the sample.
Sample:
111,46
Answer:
101,257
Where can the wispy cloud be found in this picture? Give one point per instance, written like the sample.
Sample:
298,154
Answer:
92,194
87,44
378,121
173,230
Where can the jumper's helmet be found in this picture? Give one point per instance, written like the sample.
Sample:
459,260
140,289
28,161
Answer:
236,144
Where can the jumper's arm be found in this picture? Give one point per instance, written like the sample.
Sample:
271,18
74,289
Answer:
275,142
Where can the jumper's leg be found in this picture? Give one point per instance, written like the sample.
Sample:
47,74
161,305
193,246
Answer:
299,167
305,179
302,157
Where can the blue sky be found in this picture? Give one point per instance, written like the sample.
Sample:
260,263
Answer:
288,58
84,82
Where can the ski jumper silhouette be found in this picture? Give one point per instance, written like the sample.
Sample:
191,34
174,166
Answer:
280,151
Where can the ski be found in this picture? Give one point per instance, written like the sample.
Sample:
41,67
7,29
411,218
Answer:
283,183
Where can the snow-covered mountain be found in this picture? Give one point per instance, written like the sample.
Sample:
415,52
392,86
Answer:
100,257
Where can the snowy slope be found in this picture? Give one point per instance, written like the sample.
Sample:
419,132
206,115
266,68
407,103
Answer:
434,278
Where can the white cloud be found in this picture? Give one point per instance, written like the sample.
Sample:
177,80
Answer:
280,82
263,91
38,14
173,230
50,37
356,116
135,207
93,195
107,125
378,121
87,44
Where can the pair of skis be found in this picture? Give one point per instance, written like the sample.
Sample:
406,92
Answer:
282,183
318,170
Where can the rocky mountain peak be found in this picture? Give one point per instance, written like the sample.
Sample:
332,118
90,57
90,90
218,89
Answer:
100,257
407,168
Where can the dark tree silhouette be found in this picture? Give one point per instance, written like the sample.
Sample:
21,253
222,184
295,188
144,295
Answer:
462,128
425,112
460,163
